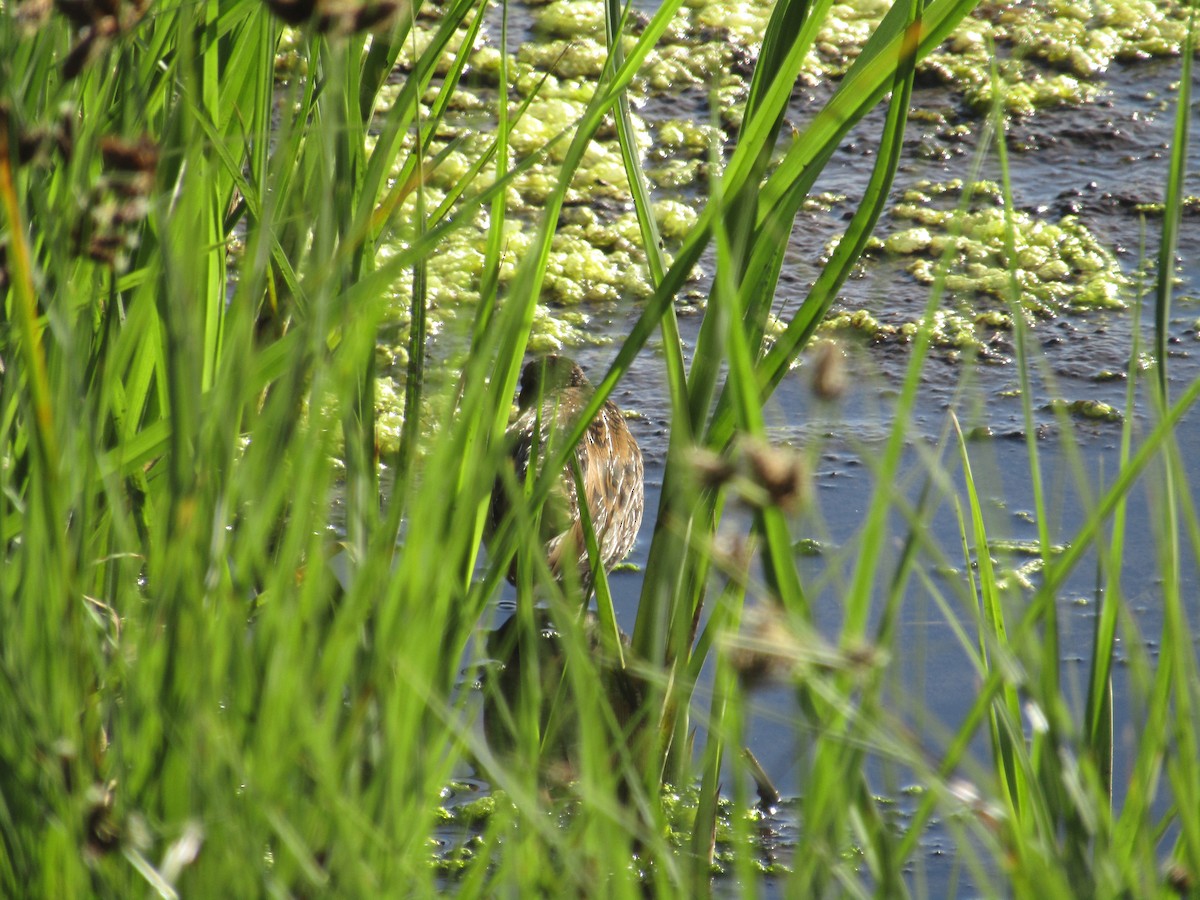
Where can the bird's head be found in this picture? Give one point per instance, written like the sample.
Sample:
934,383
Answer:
544,376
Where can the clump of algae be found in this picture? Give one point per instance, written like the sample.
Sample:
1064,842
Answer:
1050,54
986,251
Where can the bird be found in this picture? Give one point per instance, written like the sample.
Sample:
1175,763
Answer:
553,394
558,709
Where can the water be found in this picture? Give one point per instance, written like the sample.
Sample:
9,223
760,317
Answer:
1095,162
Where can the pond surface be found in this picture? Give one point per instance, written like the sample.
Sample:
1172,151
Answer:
1098,162
1095,162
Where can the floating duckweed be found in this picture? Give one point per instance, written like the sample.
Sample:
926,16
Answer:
979,189
1031,548
572,18
1086,37
742,20
1053,265
544,86
422,34
1094,410
676,173
979,433
843,32
484,63
675,219
1019,578
969,39
453,277
451,169
676,136
534,186
911,240
454,861
823,202
1063,44
858,320
604,179
545,119
925,215
476,812
774,328
923,270
994,318
672,67
953,330
620,235
808,547
555,330
581,57
738,832
1035,92
598,257
389,415
1190,204
579,272
731,105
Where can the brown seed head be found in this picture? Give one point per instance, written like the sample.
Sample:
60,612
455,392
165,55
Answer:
352,18
712,470
335,16
33,14
779,471
1180,880
829,376
122,155
763,651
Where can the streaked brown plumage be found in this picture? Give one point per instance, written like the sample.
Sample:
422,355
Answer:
554,392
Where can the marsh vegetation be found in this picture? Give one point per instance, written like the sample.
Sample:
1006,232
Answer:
269,273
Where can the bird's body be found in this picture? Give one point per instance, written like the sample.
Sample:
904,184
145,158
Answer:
529,671
542,665
554,393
